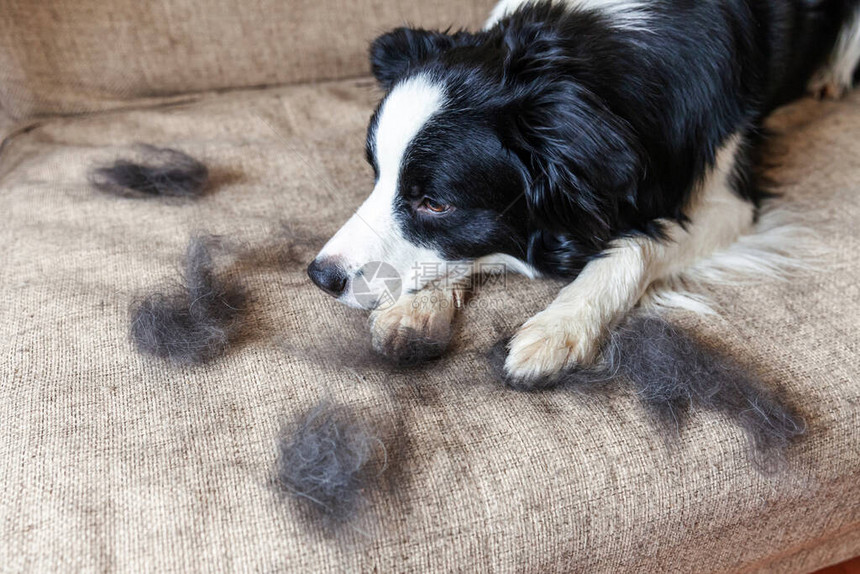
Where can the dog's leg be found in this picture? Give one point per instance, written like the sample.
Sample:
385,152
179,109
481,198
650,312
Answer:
419,325
569,332
837,75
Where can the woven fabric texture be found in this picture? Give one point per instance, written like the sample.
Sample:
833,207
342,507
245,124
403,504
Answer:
112,461
73,56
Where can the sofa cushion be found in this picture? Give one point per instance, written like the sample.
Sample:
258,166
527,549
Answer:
59,57
110,460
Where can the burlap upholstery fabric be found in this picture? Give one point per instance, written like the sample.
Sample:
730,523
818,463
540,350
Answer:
7,127
72,56
111,461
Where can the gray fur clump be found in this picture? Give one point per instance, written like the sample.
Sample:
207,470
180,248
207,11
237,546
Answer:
324,461
671,372
195,323
162,172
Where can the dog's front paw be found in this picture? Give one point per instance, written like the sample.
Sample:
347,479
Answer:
547,345
411,331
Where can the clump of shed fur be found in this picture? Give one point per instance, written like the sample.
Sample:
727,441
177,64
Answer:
671,372
161,172
196,322
325,460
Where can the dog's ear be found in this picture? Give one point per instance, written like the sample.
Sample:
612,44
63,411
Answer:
392,54
583,161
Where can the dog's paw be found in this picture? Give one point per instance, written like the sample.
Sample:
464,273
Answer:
409,332
546,346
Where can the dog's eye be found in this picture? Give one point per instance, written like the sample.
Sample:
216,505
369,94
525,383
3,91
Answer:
432,206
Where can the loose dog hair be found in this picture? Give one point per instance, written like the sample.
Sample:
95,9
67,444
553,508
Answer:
194,322
671,372
163,172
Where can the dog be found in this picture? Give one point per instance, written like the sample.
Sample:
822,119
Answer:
608,143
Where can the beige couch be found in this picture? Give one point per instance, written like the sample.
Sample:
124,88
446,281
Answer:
111,461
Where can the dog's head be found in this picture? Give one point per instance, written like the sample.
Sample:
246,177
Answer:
485,146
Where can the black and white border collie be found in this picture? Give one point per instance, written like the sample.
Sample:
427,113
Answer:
605,142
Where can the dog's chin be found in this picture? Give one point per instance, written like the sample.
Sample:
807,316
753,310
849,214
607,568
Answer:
348,298
374,301
366,301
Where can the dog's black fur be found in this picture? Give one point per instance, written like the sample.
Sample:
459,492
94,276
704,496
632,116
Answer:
563,131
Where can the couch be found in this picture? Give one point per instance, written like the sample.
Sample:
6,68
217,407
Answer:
114,461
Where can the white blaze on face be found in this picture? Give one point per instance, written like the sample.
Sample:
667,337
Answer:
373,234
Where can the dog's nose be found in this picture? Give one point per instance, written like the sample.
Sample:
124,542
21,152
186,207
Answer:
328,276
